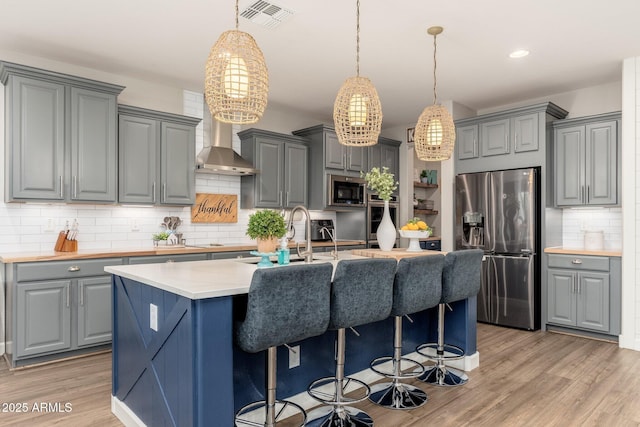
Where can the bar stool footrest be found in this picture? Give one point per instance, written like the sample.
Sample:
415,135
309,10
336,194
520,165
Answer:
325,390
430,351
253,414
414,370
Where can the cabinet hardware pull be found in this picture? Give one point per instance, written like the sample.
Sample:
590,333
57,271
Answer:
61,188
75,186
164,192
582,195
67,286
286,198
81,291
280,198
576,261
588,195
153,192
73,268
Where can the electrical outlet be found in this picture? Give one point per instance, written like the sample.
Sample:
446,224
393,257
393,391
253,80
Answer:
134,225
50,225
294,357
153,317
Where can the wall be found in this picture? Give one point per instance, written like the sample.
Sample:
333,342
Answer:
576,221
630,336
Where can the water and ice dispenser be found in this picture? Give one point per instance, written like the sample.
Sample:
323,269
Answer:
473,229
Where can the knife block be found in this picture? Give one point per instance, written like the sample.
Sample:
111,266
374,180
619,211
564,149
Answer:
64,245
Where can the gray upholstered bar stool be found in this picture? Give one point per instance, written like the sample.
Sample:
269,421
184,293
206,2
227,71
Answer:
417,287
460,280
284,304
361,293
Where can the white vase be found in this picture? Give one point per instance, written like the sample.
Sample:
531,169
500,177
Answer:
386,232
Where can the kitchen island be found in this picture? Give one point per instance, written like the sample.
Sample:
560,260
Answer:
175,362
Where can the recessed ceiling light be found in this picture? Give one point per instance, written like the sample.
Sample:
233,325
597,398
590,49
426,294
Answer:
520,53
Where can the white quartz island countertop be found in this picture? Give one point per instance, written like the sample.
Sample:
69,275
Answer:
205,279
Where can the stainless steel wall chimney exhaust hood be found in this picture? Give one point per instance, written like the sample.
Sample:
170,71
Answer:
218,156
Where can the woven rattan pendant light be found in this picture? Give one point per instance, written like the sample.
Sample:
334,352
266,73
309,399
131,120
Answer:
435,133
236,80
357,113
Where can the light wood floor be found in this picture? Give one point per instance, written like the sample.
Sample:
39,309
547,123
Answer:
524,379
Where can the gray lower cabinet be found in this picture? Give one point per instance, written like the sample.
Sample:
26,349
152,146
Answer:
156,157
282,161
57,307
583,292
586,159
61,136
158,259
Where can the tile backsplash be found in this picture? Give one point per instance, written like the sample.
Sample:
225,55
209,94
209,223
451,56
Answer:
34,226
576,221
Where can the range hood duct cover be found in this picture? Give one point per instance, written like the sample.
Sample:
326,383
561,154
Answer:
218,156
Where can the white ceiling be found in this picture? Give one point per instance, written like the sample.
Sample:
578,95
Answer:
573,43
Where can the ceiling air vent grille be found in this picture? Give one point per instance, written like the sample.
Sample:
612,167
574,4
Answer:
266,14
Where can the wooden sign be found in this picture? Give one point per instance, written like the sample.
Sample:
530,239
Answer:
215,208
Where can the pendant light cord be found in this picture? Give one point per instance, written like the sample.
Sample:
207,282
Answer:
358,38
435,95
237,13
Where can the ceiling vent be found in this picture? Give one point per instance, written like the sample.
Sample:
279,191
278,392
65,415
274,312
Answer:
266,14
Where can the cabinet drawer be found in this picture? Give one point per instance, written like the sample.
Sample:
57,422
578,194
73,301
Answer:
579,262
431,245
31,271
158,259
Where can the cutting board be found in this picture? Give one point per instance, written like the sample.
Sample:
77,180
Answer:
395,253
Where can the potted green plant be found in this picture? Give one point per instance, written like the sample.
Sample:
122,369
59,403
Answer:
158,237
424,176
266,226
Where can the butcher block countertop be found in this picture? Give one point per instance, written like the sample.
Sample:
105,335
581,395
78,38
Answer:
397,253
560,250
129,252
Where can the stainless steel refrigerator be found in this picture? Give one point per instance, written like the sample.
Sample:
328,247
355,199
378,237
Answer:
499,212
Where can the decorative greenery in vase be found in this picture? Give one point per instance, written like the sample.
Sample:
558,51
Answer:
266,225
382,183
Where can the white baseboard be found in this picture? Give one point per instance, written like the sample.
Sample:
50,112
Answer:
124,414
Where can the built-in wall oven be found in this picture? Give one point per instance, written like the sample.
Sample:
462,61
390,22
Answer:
375,210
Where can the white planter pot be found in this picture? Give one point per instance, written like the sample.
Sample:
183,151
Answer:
386,232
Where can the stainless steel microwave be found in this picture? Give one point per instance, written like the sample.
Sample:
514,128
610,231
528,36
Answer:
346,191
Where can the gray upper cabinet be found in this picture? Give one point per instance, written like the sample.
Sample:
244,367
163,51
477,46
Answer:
61,136
586,159
282,161
338,158
386,153
494,137
156,157
467,142
515,138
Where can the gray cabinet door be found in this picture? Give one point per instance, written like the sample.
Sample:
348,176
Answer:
334,152
36,138
177,170
356,159
269,186
383,155
494,137
296,180
593,301
467,142
43,317
601,163
93,146
139,158
94,311
569,154
525,133
561,300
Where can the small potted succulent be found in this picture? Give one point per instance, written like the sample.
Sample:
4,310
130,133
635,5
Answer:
424,176
160,237
266,226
